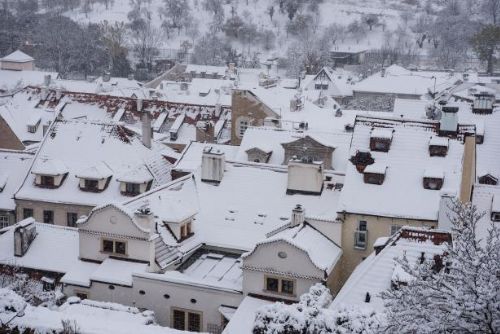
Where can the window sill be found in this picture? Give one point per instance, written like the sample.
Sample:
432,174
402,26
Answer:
280,293
360,248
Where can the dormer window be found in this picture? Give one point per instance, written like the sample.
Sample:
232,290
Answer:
186,230
95,178
375,174
33,124
438,146
132,189
135,181
488,179
49,173
381,139
483,104
433,179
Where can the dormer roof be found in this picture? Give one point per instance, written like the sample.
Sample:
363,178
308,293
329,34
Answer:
98,171
50,167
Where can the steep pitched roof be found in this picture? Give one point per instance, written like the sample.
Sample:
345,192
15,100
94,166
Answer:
17,57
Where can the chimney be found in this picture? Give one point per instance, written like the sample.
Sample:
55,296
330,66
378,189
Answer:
212,165
298,216
47,79
147,130
24,234
305,177
106,77
58,94
448,126
139,105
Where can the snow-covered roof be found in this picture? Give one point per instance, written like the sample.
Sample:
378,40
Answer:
485,198
247,210
89,316
242,321
17,57
97,172
439,141
402,194
81,145
13,169
323,252
376,168
210,270
382,133
198,91
376,272
117,271
190,159
398,80
54,248
46,166
270,139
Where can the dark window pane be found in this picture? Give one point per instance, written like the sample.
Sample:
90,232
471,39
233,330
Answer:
179,320
27,213
48,217
194,322
91,184
107,246
362,225
72,218
120,247
272,284
287,286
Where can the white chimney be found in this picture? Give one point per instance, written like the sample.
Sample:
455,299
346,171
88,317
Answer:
47,80
147,130
212,165
139,105
449,121
305,177
298,215
58,94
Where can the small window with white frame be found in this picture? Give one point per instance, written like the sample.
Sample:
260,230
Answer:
280,285
4,221
361,235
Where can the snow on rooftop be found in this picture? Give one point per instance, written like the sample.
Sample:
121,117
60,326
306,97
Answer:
382,133
82,144
191,156
323,252
46,166
17,57
376,168
243,319
435,173
439,141
407,159
271,139
117,271
96,172
376,272
88,315
55,249
399,80
247,210
13,168
486,198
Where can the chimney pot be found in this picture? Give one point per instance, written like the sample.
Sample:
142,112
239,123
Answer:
298,215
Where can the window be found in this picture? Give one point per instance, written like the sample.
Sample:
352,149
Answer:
272,284
186,320
132,188
82,295
287,286
361,235
243,127
114,247
27,213
374,178
47,181
321,86
48,217
395,229
4,221
380,144
432,183
91,185
280,285
438,150
72,217
495,216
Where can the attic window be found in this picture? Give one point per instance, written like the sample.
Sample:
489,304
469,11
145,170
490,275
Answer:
375,174
132,189
488,179
438,146
47,181
319,86
33,124
433,179
483,104
381,139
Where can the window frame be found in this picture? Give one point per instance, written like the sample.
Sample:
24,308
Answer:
397,228
26,210
46,214
136,188
280,281
186,319
45,178
361,230
74,219
114,245
4,221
